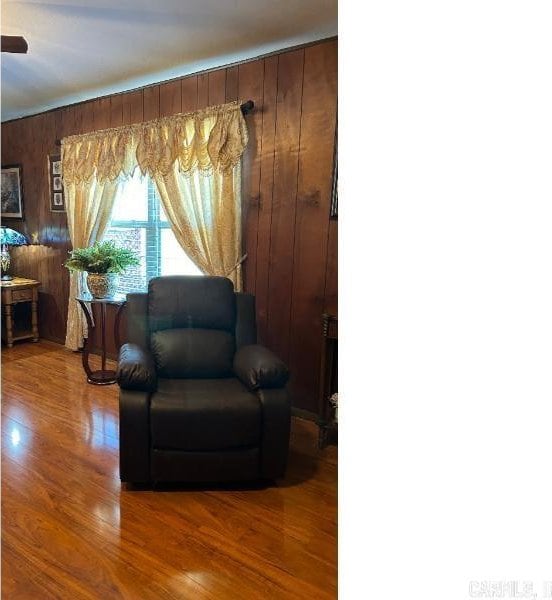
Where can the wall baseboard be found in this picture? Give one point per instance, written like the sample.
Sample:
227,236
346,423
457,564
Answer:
304,414
51,338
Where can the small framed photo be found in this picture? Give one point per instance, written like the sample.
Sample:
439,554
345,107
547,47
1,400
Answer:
57,198
56,165
12,199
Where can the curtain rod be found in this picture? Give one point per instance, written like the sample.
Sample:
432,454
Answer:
246,108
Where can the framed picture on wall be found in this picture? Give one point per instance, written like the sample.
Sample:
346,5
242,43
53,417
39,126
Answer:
57,197
12,198
333,205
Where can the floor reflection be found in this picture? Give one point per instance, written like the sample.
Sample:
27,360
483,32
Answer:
105,430
108,516
15,441
15,436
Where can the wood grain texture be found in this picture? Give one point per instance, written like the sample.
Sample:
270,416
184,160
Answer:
102,113
290,241
314,186
86,117
202,90
189,94
330,290
151,103
250,87
170,98
116,111
266,187
217,87
57,224
284,199
133,107
232,83
69,530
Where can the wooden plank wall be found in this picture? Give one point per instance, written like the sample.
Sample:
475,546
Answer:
287,174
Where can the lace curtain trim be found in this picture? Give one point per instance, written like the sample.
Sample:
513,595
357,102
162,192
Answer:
212,139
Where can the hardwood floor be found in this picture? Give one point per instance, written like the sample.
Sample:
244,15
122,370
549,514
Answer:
69,530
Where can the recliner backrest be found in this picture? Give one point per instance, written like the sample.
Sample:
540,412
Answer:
192,324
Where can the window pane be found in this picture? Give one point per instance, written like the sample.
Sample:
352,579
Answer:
152,240
174,261
134,279
132,203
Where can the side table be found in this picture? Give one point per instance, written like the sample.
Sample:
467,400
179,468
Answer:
14,292
102,376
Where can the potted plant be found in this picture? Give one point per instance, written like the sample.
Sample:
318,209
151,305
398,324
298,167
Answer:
103,262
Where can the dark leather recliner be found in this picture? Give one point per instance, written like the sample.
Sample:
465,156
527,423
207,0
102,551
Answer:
199,400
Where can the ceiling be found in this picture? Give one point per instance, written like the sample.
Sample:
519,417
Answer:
82,49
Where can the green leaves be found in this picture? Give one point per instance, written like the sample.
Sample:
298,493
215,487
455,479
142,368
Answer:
104,257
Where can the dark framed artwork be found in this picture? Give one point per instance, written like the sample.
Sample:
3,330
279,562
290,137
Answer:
333,204
12,196
57,197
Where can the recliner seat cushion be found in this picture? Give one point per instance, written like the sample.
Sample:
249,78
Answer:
204,414
193,353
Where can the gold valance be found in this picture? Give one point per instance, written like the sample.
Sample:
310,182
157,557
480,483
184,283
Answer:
206,140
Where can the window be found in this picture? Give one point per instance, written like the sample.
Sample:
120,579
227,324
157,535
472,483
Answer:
139,223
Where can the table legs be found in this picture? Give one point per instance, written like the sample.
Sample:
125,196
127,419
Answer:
102,376
34,320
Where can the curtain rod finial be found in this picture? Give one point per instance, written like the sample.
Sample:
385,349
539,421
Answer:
247,107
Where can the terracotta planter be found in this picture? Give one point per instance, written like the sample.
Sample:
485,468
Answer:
102,285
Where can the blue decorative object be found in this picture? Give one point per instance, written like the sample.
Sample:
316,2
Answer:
9,237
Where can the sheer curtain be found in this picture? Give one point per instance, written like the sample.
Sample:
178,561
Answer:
194,160
89,207
205,215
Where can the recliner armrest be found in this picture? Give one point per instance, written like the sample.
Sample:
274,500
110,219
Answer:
136,369
259,368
